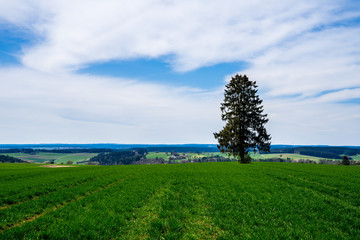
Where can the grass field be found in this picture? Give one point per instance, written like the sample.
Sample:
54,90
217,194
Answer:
180,201
189,156
59,158
75,157
158,155
254,156
41,157
285,156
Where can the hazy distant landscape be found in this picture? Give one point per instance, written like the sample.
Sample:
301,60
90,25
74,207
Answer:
160,154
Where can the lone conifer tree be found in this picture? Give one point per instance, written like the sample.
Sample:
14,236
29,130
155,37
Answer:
345,160
243,113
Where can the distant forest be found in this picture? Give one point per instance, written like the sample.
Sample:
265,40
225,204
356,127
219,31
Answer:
8,159
119,158
322,152
135,154
316,151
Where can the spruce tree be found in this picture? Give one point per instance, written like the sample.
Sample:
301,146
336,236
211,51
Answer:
243,113
345,160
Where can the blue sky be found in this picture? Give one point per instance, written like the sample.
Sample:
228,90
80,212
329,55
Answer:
154,71
11,42
160,71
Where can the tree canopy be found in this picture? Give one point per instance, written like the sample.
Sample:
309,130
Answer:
243,113
345,160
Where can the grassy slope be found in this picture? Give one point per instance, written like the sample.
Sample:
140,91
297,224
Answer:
182,201
152,155
76,157
284,156
165,156
48,156
254,156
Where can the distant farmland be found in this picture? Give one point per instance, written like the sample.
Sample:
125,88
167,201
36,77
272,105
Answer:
41,157
180,201
63,158
151,154
255,156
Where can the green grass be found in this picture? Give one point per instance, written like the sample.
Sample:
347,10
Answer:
255,156
207,154
284,156
41,157
153,155
76,157
356,157
180,201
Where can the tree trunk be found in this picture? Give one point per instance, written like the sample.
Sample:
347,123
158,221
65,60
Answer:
242,157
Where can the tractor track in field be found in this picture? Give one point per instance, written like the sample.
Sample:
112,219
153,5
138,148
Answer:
325,196
59,206
68,186
313,184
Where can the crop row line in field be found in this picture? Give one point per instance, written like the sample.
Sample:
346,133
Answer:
11,178
288,169
66,203
21,202
315,183
324,180
174,206
201,224
55,189
323,188
146,215
326,197
323,175
39,185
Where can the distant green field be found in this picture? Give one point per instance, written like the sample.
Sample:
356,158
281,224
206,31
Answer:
189,156
207,154
285,156
254,156
75,157
180,201
153,155
40,157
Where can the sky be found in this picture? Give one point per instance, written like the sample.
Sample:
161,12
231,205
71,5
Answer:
154,71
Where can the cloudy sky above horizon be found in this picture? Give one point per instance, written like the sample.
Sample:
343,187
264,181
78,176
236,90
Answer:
154,71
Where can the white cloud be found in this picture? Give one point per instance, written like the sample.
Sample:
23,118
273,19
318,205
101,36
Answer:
196,33
339,96
70,108
313,122
313,63
295,48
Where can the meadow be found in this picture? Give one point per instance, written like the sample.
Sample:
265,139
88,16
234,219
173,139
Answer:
254,156
180,201
64,158
58,158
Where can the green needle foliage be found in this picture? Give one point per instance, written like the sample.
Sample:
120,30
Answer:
243,113
345,160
